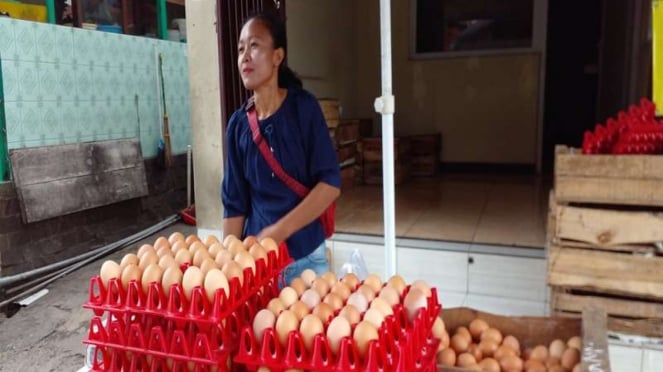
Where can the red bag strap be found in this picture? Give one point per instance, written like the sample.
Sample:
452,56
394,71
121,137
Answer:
259,140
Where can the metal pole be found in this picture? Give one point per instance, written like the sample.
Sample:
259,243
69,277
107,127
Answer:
4,158
50,11
385,106
162,19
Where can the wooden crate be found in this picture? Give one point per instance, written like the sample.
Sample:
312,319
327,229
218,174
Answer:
347,132
346,155
424,165
373,173
425,144
608,179
330,109
347,177
372,149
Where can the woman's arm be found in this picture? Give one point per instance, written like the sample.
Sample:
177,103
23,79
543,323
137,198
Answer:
310,208
233,226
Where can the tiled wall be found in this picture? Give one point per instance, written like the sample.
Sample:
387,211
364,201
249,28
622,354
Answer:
67,85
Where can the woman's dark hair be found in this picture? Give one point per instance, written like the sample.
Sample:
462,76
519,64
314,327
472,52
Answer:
287,78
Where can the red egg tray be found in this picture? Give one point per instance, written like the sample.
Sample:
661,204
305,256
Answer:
402,345
211,330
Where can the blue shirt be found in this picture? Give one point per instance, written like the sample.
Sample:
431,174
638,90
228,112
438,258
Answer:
298,135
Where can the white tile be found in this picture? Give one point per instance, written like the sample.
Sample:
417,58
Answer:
447,271
504,306
450,299
652,360
510,277
372,255
625,359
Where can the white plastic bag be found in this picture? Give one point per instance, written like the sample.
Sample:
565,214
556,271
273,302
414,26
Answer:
355,265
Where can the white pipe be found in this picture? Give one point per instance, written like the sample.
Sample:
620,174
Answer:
188,175
385,106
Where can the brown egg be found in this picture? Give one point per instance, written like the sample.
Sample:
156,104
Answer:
423,286
228,239
338,329
164,251
311,298
207,265
161,242
551,362
286,322
245,260
574,342
223,257
298,285
210,240
464,332
383,307
465,360
171,275
192,278
175,237
397,283
249,241
390,295
363,334
109,270
459,343
215,248
144,248
557,368
577,367
323,311
489,365
258,252
300,309
235,247
191,239
445,340
195,246
310,326
351,280
330,277
275,306
178,246
492,333
215,280
129,258
512,343
334,300
129,273
534,365
320,285
374,316
183,256
147,259
374,282
414,300
502,351
358,301
556,348
270,245
308,276
367,291
570,358
488,347
475,351
447,357
263,320
439,328
350,313
477,326
342,290
199,256
151,274
539,353
511,363
232,270
288,296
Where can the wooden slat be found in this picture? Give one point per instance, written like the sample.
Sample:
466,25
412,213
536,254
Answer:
614,306
594,340
640,327
632,248
605,227
607,272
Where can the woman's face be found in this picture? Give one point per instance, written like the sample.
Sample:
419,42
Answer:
257,60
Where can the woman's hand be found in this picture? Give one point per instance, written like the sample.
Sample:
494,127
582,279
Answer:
275,232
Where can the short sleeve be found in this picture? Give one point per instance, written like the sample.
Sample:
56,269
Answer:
323,165
235,188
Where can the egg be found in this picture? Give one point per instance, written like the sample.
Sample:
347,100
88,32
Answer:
397,283
493,333
310,297
175,237
511,363
300,309
171,275
207,265
475,351
210,240
147,259
151,274
129,273
196,246
258,252
288,296
391,295
350,313
245,261
503,351
323,311
423,286
285,323
109,270
488,347
351,280
551,362
338,329
182,257
161,242
214,249
540,353
577,368
321,286
249,241
489,365
164,251
513,343
143,249
229,238
222,257
358,301
263,320
464,332
199,256
367,291
570,358
191,239
556,348
438,327
330,277
298,285
166,262
270,245
334,300
477,326
232,270
374,282
447,357
310,326
414,300
364,333
534,365
465,360
574,342
235,247
374,317
557,368
129,258
192,278
308,276
459,343
275,306
445,340
341,289
383,307
178,246
214,280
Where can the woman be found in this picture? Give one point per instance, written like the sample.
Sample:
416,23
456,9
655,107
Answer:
256,201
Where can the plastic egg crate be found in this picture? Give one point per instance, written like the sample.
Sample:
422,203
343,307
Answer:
402,345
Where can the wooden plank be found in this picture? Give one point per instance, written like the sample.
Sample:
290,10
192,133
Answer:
594,340
608,272
640,327
614,306
605,227
634,248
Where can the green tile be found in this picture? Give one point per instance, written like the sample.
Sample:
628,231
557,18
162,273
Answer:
8,39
